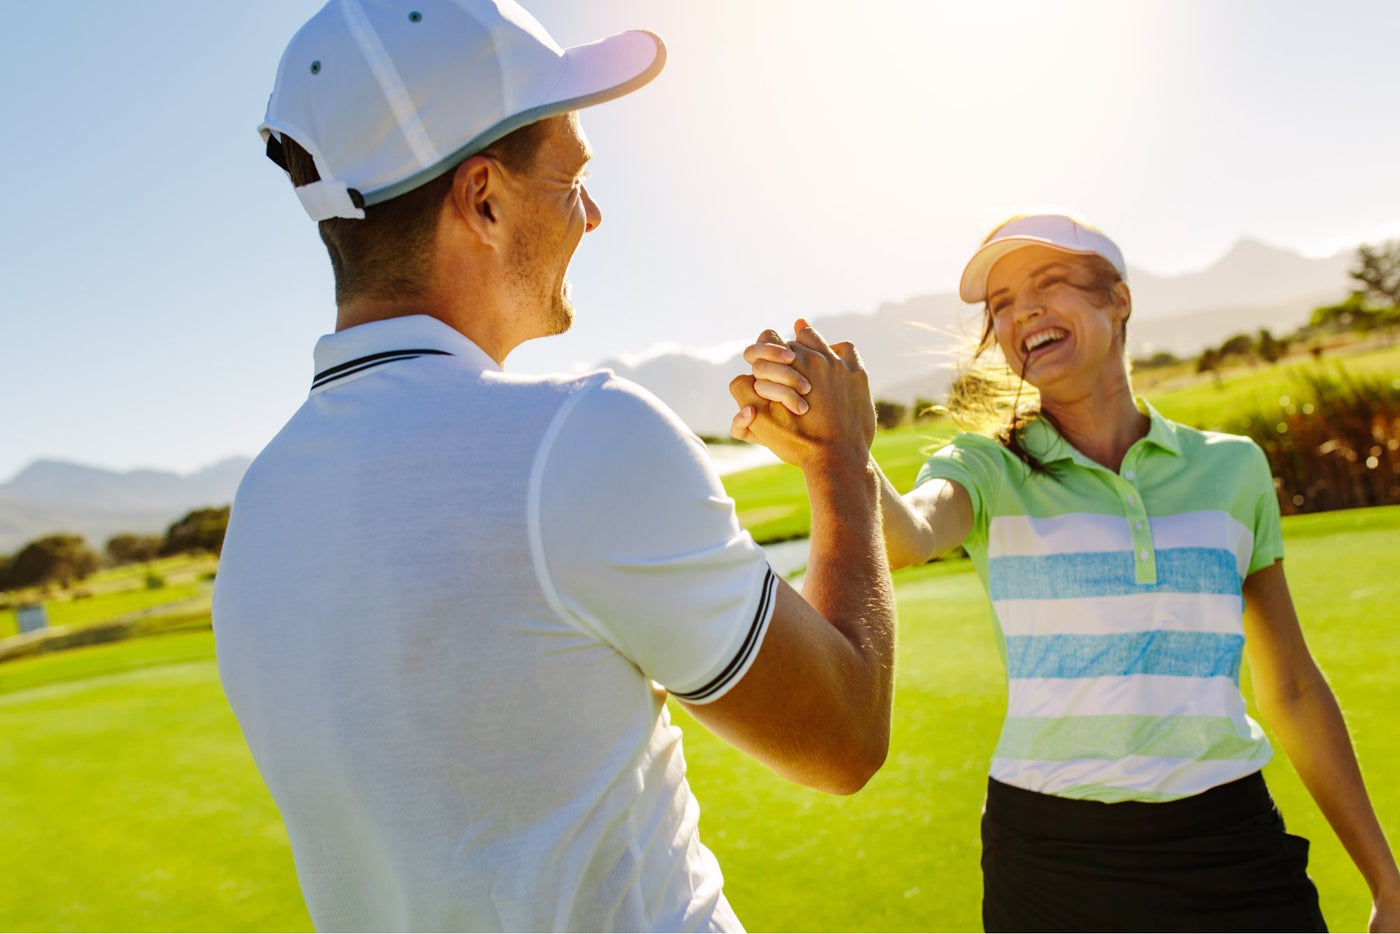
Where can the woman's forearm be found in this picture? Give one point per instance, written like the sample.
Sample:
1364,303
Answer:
1309,724
907,539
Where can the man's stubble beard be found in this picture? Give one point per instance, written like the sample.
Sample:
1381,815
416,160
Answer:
527,276
561,312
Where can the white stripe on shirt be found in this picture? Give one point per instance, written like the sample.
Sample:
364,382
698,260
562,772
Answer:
1179,612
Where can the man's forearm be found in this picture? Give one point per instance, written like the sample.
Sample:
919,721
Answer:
848,577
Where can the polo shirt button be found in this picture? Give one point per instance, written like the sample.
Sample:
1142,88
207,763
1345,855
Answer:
1138,525
1129,475
1132,500
1142,555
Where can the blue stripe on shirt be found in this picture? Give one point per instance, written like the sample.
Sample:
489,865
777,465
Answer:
1159,652
1110,574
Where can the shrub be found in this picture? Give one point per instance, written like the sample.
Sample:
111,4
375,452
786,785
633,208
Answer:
199,530
129,549
889,414
154,581
1336,446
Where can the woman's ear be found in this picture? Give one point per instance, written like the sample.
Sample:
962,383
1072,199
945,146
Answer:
1122,302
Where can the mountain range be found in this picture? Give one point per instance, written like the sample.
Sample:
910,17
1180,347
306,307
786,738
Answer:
56,496
910,348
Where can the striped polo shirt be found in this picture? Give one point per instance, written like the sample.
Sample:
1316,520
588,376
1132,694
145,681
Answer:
1118,605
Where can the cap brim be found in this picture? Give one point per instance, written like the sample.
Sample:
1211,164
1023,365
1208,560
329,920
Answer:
973,286
609,68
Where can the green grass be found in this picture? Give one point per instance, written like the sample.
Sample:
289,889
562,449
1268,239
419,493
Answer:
117,592
129,801
125,770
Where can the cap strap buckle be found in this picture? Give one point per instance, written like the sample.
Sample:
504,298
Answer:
323,200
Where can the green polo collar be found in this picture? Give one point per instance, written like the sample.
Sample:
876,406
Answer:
1041,438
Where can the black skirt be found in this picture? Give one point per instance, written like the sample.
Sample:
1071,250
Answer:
1217,861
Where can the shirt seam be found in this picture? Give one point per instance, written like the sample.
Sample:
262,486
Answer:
534,515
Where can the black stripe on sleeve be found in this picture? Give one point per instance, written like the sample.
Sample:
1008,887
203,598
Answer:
737,663
364,363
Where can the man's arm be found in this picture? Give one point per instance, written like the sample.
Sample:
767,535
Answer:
815,704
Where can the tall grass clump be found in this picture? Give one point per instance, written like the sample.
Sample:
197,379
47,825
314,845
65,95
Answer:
1335,446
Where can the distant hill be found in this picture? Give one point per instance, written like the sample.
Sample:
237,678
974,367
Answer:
55,496
911,348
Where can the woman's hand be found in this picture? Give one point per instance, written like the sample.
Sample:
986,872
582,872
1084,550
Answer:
804,400
776,377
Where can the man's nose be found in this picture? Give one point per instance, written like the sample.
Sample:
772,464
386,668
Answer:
592,214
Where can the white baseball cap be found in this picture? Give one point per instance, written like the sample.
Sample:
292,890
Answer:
387,96
1059,231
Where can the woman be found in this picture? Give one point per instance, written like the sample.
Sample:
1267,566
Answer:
1130,562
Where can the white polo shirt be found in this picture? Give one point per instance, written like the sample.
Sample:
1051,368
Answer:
448,600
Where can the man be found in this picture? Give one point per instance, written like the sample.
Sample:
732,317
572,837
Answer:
452,601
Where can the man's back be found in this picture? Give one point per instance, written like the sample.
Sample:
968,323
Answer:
453,728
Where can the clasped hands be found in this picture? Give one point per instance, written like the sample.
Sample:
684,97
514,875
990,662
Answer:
807,401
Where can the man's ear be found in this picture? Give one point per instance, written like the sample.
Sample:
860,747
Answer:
476,194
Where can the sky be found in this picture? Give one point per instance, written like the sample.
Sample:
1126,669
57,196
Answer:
161,290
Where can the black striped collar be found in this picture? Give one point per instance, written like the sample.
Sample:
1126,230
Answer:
349,353
369,362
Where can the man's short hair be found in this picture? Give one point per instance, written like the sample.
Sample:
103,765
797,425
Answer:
388,254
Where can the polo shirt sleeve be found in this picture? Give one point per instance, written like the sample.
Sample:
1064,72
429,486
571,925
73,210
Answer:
636,542
1268,527
973,462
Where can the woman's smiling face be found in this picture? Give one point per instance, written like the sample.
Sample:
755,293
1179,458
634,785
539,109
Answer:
1057,320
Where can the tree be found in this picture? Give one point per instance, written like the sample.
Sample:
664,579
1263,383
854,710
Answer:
1160,358
1269,347
1241,345
199,530
130,549
889,414
55,559
1378,274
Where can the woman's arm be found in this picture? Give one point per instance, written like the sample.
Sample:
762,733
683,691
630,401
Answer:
931,519
1294,697
920,525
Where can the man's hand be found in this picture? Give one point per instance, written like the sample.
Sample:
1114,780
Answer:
838,414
